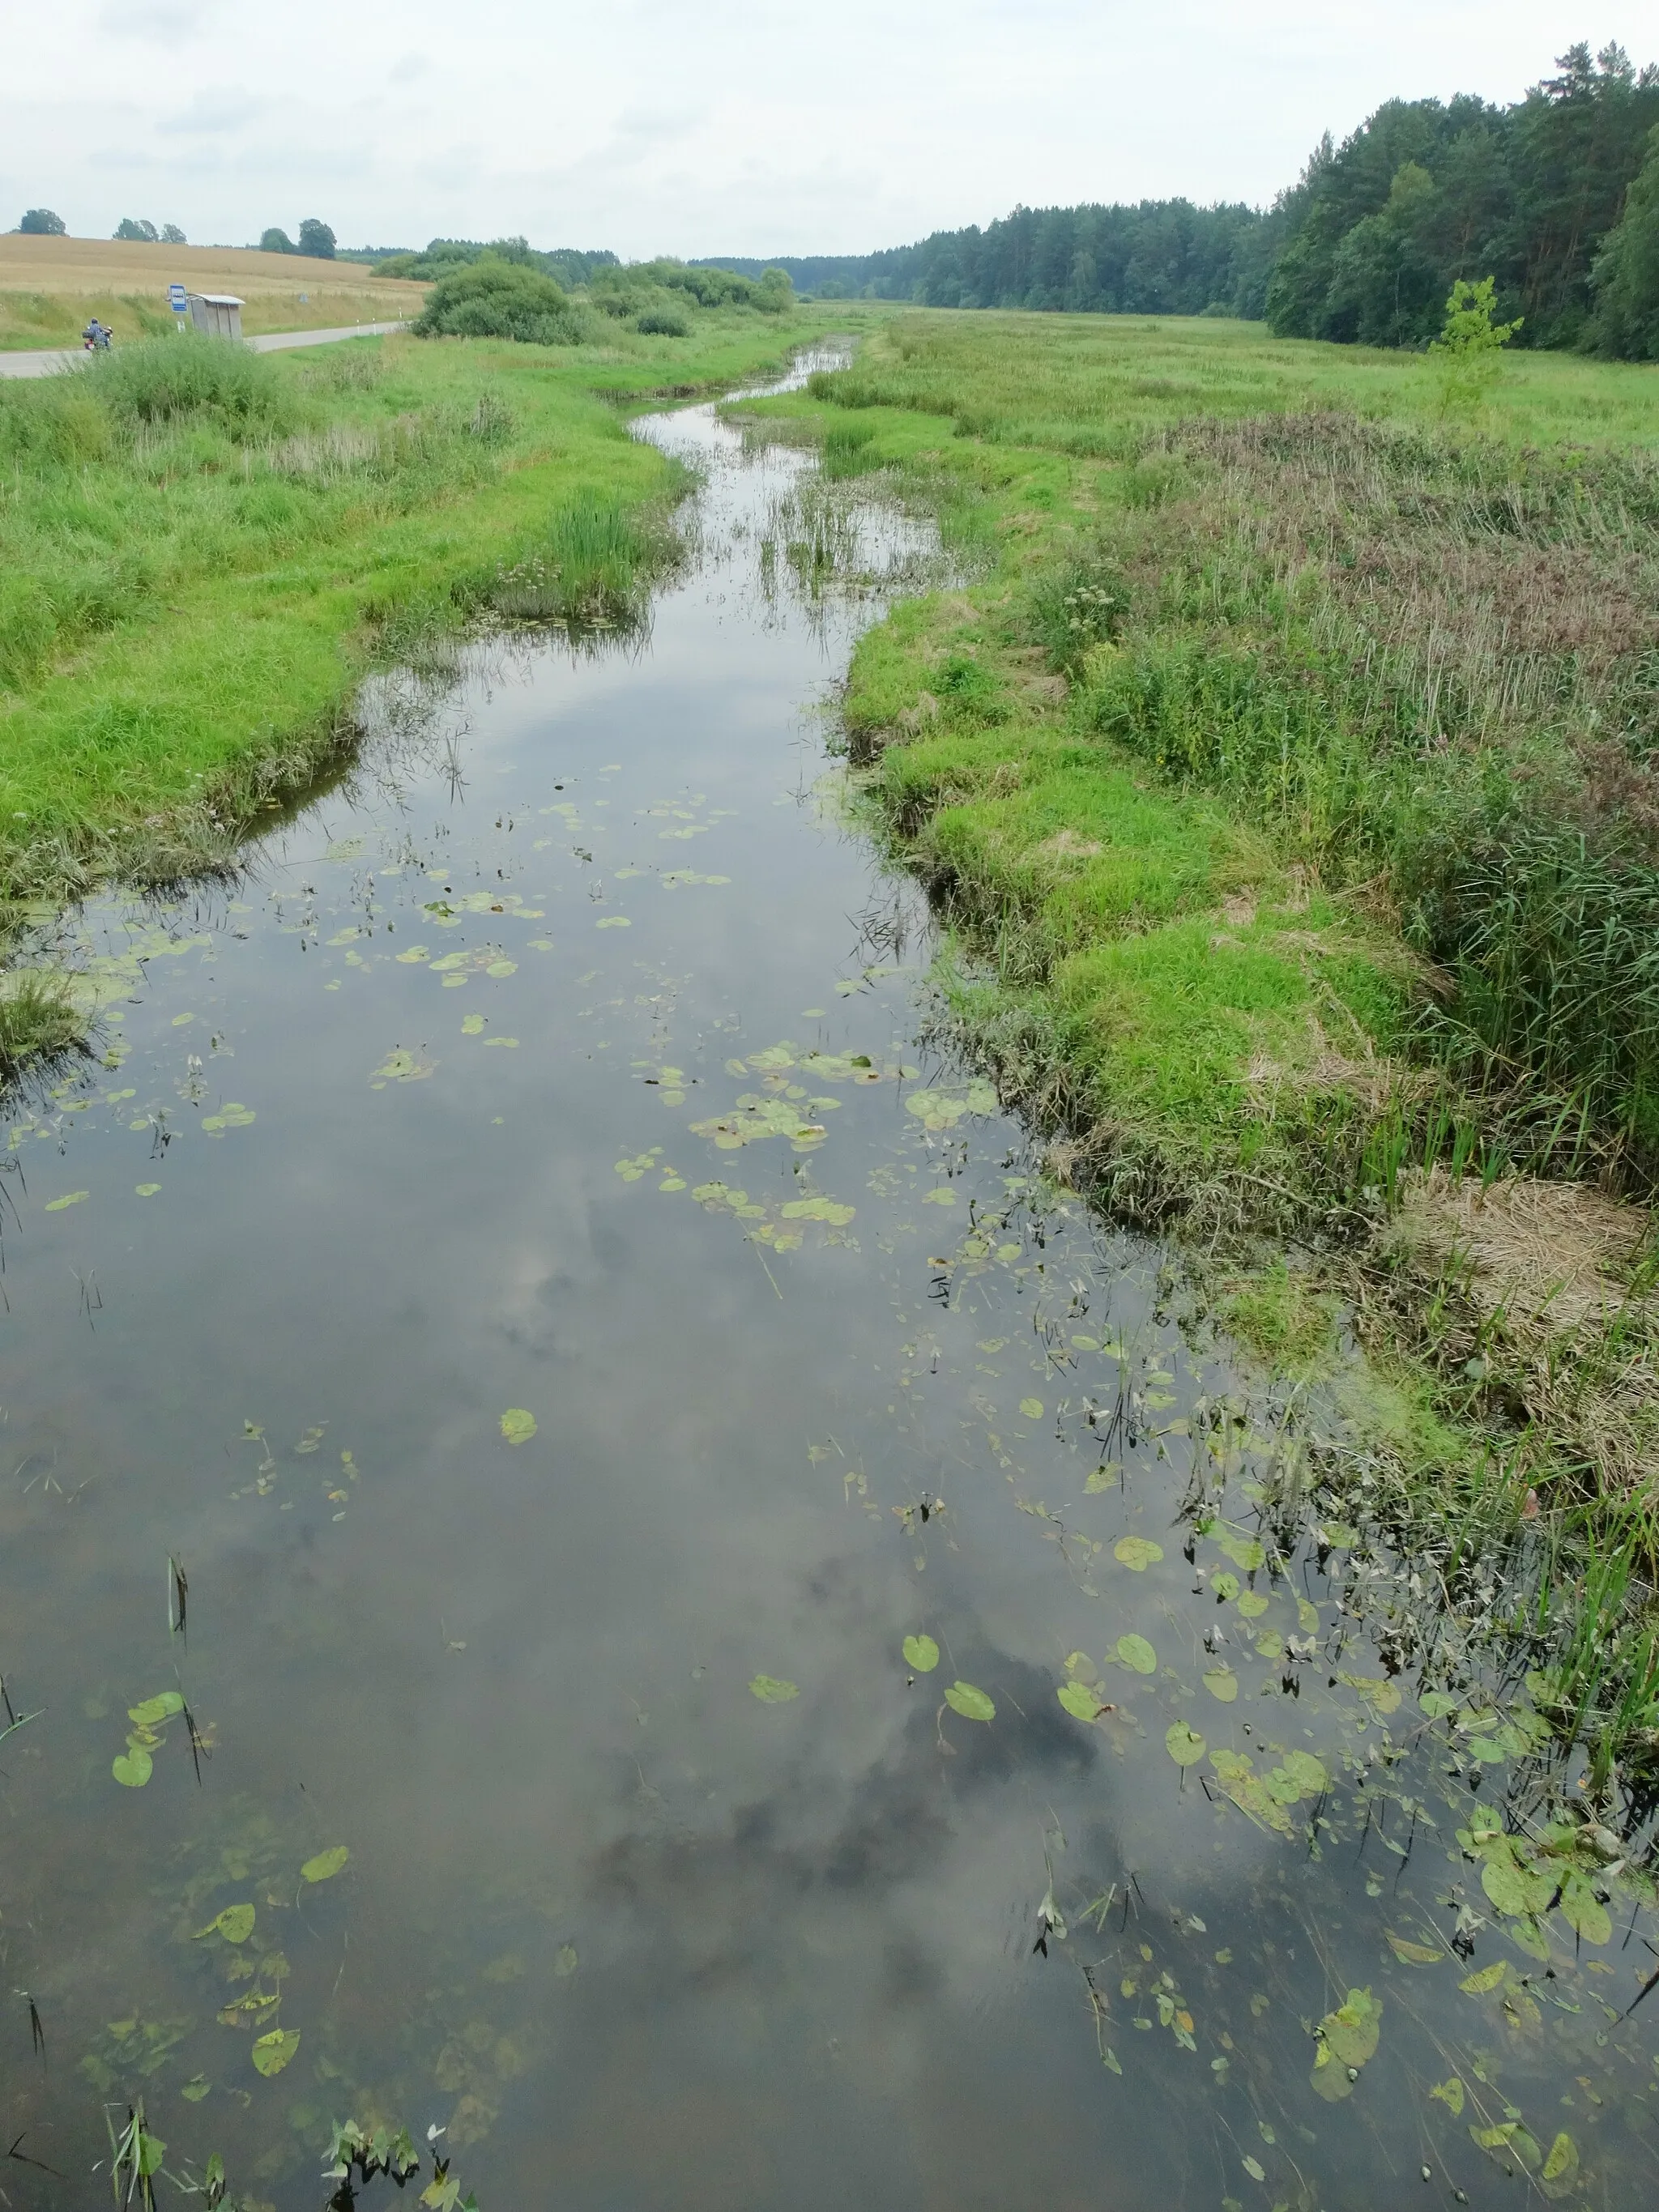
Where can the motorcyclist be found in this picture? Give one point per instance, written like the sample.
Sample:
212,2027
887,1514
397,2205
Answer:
96,336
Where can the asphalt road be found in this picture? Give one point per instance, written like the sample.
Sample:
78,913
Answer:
43,364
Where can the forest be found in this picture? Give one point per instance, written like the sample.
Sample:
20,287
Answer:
1555,196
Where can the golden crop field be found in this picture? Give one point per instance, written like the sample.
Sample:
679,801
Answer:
49,286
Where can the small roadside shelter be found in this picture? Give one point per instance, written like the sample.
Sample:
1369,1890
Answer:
218,314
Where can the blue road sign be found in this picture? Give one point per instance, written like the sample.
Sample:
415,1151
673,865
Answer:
176,298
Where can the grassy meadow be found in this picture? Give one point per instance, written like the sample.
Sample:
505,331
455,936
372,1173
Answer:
50,288
1282,767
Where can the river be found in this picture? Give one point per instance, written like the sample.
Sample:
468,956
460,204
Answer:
524,1283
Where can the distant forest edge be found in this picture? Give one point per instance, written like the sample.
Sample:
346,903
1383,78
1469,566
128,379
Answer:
1556,197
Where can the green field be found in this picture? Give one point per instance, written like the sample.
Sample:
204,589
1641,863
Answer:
1282,770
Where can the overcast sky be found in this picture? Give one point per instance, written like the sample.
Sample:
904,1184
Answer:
738,127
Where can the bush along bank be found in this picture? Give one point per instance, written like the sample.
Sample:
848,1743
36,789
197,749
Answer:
1285,787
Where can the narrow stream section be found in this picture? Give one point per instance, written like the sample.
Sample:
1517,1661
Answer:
521,1288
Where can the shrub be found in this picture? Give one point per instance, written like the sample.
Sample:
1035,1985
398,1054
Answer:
495,299
663,322
166,380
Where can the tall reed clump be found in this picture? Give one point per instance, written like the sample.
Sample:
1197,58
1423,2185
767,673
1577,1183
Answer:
1431,669
39,1020
168,380
592,565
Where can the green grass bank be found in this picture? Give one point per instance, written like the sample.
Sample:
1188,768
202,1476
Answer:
1284,770
201,551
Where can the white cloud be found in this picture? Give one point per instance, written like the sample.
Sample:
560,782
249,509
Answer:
743,125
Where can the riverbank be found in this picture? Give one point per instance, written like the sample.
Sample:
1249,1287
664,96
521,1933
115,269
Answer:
202,551
1283,778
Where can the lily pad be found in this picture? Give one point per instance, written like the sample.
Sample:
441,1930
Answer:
133,1768
1221,1682
1137,1654
1184,1744
517,1426
1411,1953
1559,2175
1032,1408
271,2053
1079,1700
973,1705
327,1864
1450,2094
154,1711
1137,1552
1348,2038
1583,1911
771,1691
1484,1978
567,1961
235,1924
72,1198
921,1653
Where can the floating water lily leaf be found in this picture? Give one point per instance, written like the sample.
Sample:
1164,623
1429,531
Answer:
327,1864
1244,1552
1256,2169
517,1426
1485,1979
473,1025
1583,1911
1450,2094
1079,1700
1137,1552
73,1198
1252,1604
235,1924
1348,2038
613,922
1438,1704
1382,1695
193,2092
133,1768
1410,1953
400,1066
567,1962
921,1653
271,2053
1511,2140
1137,1654
1508,1889
154,1711
147,1189
1221,1682
502,968
232,1116
1226,1586
973,1705
1488,1749
942,1109
771,1692
1559,2176
1240,1782
1184,1745
1032,1408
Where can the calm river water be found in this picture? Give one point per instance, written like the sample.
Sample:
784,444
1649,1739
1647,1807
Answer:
528,1269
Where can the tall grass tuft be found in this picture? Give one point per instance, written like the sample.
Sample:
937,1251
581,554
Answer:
176,380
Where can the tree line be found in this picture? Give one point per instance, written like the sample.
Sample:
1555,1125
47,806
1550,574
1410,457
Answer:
1555,197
